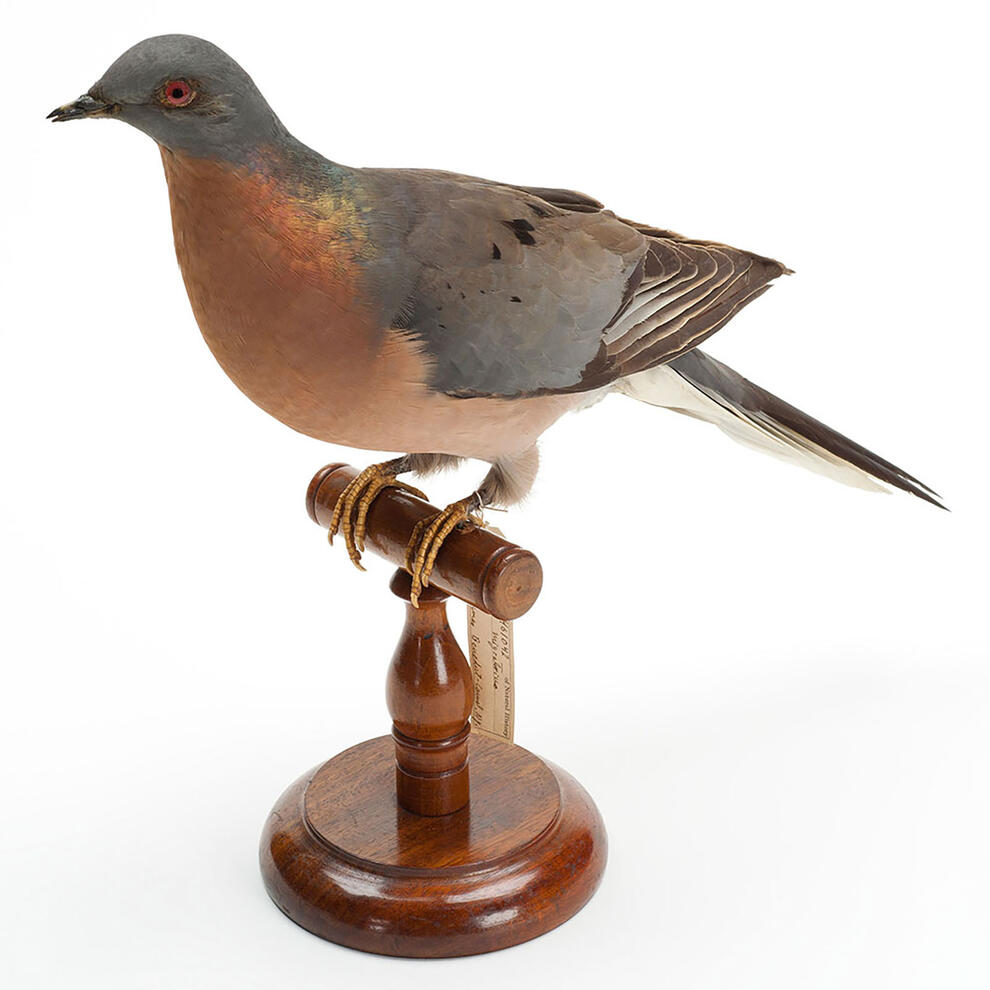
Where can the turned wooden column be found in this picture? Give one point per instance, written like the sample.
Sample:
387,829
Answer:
429,692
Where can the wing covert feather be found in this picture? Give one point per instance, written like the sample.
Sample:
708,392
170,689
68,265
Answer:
516,291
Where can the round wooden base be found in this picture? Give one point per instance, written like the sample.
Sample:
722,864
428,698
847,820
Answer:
344,861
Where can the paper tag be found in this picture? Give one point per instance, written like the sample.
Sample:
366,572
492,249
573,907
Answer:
492,664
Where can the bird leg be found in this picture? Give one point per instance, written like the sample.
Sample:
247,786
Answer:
428,537
350,514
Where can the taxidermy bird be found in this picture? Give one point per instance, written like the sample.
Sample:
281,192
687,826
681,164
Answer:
424,311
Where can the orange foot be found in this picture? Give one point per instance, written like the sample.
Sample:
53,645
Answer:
428,537
350,514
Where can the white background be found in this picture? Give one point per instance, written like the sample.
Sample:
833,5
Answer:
776,688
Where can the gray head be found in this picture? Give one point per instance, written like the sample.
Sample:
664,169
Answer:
186,94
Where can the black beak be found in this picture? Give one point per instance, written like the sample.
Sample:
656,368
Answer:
85,106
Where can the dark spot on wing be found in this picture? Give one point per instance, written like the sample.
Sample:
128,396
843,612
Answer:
521,228
496,254
540,211
514,299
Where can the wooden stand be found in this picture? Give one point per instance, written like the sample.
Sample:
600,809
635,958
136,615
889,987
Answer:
403,845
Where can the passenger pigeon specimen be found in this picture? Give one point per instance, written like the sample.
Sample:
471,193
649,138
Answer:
435,313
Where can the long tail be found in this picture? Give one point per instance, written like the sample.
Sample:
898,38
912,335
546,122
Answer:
700,386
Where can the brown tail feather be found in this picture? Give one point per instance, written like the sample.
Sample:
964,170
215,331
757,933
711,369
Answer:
730,389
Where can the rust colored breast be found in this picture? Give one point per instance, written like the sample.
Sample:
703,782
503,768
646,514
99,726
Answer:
275,290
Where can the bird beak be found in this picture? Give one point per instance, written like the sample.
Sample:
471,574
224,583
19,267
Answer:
85,106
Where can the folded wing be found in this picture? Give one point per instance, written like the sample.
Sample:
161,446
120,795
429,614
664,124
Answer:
526,290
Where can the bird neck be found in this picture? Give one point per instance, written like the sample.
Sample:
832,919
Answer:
284,181
287,207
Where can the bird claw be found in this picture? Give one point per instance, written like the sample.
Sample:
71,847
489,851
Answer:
350,514
428,537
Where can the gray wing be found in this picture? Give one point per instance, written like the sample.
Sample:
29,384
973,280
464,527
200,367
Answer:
523,290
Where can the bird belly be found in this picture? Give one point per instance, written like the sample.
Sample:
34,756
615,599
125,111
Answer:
370,397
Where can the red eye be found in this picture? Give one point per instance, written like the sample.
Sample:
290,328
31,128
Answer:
178,93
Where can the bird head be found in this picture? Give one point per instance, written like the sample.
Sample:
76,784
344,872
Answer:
185,93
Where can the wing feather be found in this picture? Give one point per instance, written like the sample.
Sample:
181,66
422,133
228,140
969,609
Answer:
690,289
525,290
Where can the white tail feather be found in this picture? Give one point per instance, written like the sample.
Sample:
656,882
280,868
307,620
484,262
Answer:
663,386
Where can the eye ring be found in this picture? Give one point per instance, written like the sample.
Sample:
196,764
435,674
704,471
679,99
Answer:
177,93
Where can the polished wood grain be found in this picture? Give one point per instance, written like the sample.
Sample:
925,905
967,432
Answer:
342,859
346,803
474,564
429,691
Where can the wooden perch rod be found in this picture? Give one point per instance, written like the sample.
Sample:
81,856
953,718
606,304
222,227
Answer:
474,565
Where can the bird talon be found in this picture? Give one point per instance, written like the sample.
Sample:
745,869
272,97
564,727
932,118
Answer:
414,543
428,537
350,514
